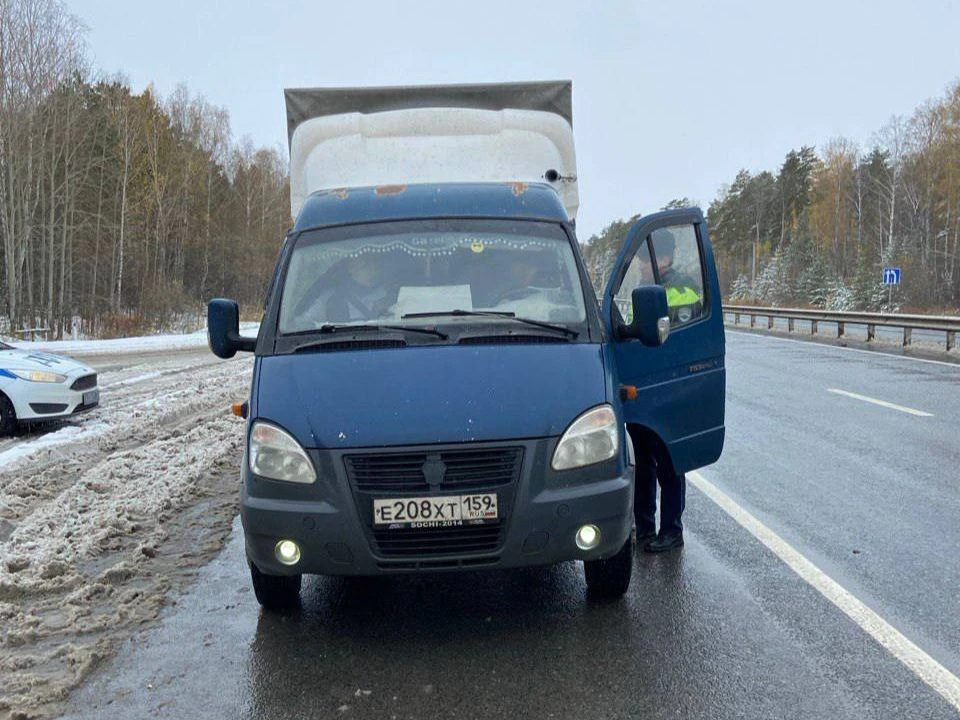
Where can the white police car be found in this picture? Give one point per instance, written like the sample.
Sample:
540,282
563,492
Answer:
38,386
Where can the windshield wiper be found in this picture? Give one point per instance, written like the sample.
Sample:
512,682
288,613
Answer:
331,328
493,313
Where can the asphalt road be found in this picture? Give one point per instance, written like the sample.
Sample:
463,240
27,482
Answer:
722,629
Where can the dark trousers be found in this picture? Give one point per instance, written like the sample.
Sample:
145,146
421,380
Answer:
653,469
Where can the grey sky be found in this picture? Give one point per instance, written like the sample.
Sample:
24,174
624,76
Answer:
670,99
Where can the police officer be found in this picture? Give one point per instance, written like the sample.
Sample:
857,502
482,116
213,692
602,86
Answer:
654,466
684,296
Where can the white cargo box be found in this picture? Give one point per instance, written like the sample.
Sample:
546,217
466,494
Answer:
432,134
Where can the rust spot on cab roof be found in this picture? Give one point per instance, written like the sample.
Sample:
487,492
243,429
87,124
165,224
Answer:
390,189
518,188
341,193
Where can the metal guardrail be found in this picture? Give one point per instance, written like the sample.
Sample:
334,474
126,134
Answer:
909,323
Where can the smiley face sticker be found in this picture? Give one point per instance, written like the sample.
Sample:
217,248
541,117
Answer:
477,246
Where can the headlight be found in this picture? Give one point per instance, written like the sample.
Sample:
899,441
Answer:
591,438
39,376
276,455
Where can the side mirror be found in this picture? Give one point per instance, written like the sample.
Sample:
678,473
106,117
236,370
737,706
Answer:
223,329
651,316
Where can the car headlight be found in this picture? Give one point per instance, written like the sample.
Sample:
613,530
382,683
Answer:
591,438
41,376
274,454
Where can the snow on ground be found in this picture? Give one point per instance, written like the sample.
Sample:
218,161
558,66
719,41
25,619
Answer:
148,343
70,433
99,518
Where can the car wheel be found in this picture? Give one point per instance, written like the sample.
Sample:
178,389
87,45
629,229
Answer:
609,579
8,416
275,592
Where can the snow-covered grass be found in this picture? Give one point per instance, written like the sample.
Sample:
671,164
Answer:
147,343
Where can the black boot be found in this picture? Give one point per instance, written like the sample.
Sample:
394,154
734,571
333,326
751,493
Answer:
645,536
663,543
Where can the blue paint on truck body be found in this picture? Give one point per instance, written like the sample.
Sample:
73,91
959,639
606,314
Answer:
528,201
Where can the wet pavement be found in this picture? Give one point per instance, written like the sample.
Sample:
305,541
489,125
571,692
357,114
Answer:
721,629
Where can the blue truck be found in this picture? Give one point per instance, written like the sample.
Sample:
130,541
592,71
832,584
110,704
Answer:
436,386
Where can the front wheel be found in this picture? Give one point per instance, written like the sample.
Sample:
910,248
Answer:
275,591
609,579
8,416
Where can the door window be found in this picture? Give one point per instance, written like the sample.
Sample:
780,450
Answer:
639,272
670,257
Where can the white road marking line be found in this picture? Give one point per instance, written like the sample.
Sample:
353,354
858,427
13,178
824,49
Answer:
945,683
825,346
881,403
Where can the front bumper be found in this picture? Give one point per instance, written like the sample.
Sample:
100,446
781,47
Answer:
37,402
541,510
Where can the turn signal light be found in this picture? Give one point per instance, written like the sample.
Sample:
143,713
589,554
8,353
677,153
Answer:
241,410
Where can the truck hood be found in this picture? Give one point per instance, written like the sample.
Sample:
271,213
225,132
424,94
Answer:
431,394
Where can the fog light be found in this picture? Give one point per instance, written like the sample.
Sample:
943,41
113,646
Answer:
588,537
287,552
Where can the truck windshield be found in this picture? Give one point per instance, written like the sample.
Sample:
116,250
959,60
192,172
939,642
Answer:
389,272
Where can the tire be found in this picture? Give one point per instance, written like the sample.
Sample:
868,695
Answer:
609,579
275,592
8,416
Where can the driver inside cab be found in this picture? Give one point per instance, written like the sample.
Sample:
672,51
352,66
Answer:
352,290
524,282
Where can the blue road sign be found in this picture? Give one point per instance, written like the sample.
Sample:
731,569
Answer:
891,276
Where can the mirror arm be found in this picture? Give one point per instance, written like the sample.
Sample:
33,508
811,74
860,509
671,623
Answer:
241,342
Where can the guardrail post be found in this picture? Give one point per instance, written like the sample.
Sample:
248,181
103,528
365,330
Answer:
813,327
789,324
839,329
951,339
770,322
907,336
753,320
871,332
736,318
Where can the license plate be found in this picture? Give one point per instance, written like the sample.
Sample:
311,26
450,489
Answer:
446,511
91,397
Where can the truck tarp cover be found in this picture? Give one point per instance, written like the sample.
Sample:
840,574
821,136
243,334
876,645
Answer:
307,103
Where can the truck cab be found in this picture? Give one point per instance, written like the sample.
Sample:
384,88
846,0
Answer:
436,386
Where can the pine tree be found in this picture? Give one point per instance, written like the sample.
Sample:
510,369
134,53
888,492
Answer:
772,286
840,297
741,290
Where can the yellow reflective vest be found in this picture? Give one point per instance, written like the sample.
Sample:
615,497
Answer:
677,296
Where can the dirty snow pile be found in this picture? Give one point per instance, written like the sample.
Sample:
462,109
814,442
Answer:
96,522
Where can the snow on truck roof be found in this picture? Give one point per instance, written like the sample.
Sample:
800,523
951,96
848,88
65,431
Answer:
362,137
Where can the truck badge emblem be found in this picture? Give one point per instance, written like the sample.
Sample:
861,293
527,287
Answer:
433,470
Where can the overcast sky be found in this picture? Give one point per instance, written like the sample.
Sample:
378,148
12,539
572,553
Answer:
671,99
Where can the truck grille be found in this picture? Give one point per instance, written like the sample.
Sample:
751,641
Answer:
429,542
462,470
450,470
87,382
